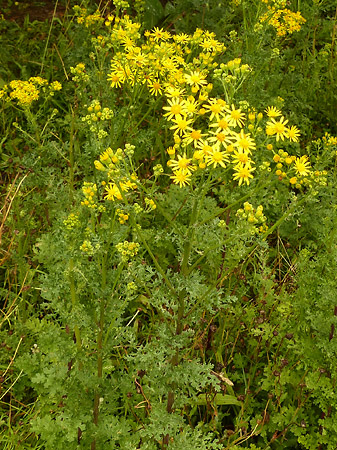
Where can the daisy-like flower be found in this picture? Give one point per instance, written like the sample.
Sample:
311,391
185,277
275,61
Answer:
182,38
215,108
175,108
193,137
204,146
181,125
191,106
112,192
183,164
196,78
244,142
217,157
155,87
243,173
221,124
212,45
302,166
273,112
235,117
116,78
220,138
181,178
159,34
293,133
172,91
240,157
279,128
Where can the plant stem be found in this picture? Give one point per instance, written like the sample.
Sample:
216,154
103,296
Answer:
73,301
71,156
100,348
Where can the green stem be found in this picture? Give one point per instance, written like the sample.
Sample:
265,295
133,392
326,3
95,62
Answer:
160,270
71,155
100,348
74,301
120,269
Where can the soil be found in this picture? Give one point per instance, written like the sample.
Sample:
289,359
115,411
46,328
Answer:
17,11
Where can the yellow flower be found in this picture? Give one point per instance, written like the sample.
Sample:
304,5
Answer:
193,137
195,78
272,111
112,191
220,138
175,108
205,147
293,133
172,91
220,125
181,125
191,106
217,157
155,87
181,178
214,107
244,142
99,166
302,166
240,157
235,117
243,173
183,164
116,78
279,128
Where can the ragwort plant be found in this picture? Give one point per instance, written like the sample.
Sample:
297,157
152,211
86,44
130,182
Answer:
290,45
143,263
146,269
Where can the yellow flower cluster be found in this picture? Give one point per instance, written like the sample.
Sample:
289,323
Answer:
292,169
253,216
79,73
329,140
122,217
26,92
209,133
283,20
127,250
89,190
71,222
87,19
119,180
88,248
161,62
150,204
95,118
114,190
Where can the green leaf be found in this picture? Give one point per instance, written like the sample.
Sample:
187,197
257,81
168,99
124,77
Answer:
153,13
